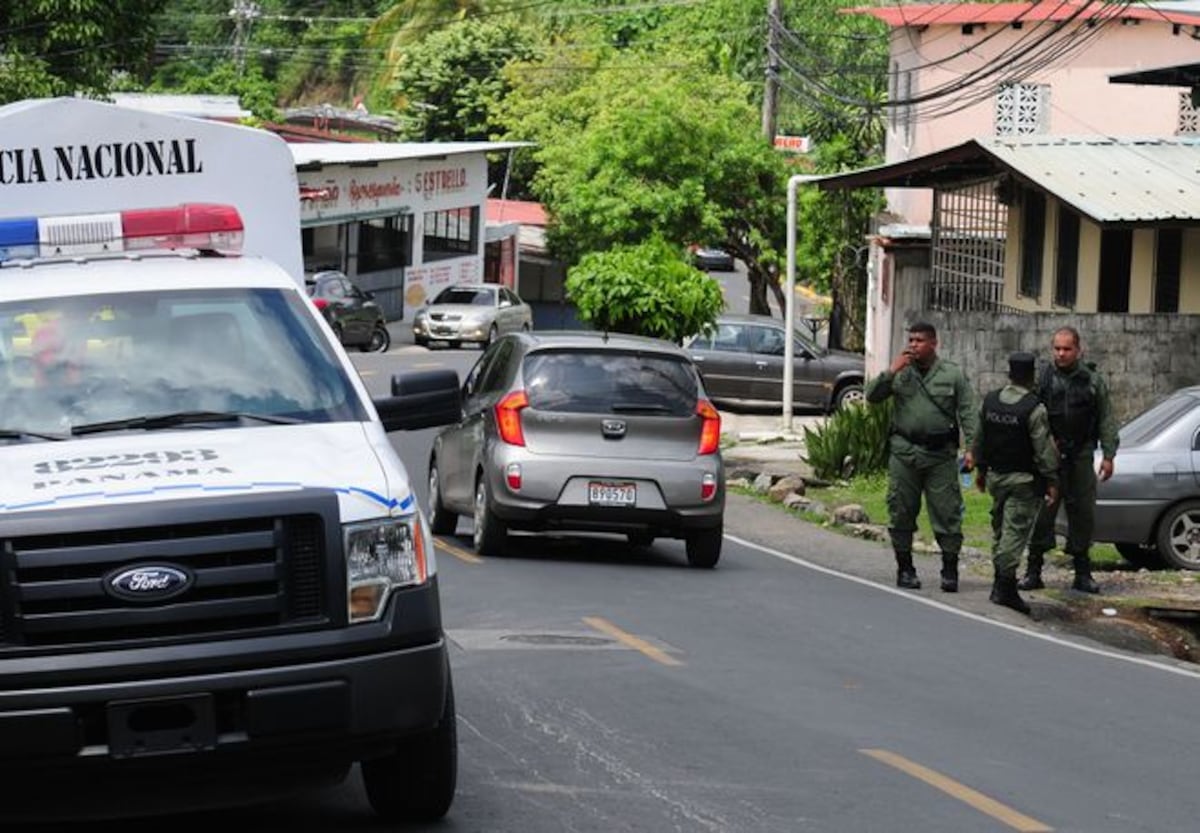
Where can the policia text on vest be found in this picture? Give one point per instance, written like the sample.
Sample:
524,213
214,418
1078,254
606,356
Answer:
1017,464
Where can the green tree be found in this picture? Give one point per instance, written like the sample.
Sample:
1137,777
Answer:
646,289
63,47
404,25
633,151
450,84
254,92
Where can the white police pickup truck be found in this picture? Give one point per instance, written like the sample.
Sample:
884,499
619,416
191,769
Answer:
215,583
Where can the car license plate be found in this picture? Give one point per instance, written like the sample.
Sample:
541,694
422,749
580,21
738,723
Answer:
612,494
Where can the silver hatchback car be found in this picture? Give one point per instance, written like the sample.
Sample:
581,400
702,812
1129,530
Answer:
587,432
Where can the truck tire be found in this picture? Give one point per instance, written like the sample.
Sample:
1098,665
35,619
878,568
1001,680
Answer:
416,783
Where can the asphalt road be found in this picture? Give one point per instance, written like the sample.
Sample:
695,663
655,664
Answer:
602,688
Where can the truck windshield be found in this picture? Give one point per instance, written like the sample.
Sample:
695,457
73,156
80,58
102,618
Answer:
81,360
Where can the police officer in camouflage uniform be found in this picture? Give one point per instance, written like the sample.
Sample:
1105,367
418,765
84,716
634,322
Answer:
1017,463
933,403
1077,400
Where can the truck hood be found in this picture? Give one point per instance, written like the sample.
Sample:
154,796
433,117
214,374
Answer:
146,466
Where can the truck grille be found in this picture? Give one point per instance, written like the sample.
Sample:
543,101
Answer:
254,565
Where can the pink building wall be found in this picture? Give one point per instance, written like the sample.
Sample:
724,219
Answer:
1082,101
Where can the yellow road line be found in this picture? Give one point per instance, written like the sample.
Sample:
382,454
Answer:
988,806
457,552
631,641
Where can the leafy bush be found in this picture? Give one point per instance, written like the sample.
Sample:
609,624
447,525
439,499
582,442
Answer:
646,289
854,441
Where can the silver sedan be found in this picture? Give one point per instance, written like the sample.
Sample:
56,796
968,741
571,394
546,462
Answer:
1150,508
478,313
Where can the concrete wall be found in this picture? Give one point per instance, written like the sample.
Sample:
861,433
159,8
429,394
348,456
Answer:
1143,357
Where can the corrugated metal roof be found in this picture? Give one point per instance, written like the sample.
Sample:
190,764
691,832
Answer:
1112,180
338,153
196,106
521,211
957,14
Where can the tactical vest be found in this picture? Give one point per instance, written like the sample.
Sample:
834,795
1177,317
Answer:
1006,443
1074,412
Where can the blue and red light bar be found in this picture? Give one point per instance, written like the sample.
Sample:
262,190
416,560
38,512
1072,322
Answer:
203,226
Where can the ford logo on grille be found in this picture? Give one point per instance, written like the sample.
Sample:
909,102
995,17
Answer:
148,582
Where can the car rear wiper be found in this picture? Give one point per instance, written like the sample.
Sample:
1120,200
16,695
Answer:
152,423
640,407
22,434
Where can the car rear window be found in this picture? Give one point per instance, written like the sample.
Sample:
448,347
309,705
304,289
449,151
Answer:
608,382
1154,420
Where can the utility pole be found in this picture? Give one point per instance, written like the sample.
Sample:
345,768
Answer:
244,13
771,91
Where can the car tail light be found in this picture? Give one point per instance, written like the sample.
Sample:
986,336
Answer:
708,487
320,303
512,476
710,431
508,417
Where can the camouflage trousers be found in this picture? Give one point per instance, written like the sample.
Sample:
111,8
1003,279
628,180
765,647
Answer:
1077,494
1015,509
911,477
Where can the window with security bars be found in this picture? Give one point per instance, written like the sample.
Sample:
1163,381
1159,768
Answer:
1189,116
1022,109
1033,241
1066,258
1168,253
969,231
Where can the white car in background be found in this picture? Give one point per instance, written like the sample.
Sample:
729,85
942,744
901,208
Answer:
475,312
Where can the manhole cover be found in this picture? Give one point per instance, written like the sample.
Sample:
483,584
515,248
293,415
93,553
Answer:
554,639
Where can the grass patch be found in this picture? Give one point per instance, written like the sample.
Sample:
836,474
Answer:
870,492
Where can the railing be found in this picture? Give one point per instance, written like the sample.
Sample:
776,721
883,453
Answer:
961,294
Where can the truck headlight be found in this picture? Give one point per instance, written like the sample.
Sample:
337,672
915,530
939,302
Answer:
381,556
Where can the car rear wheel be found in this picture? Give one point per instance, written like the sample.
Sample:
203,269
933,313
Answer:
1141,555
848,394
1179,536
441,520
704,547
381,340
416,783
489,533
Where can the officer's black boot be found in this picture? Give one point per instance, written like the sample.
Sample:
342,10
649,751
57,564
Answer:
1084,582
950,573
906,573
1004,592
1033,572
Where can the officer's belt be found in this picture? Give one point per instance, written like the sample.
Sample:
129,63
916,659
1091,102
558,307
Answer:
940,441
